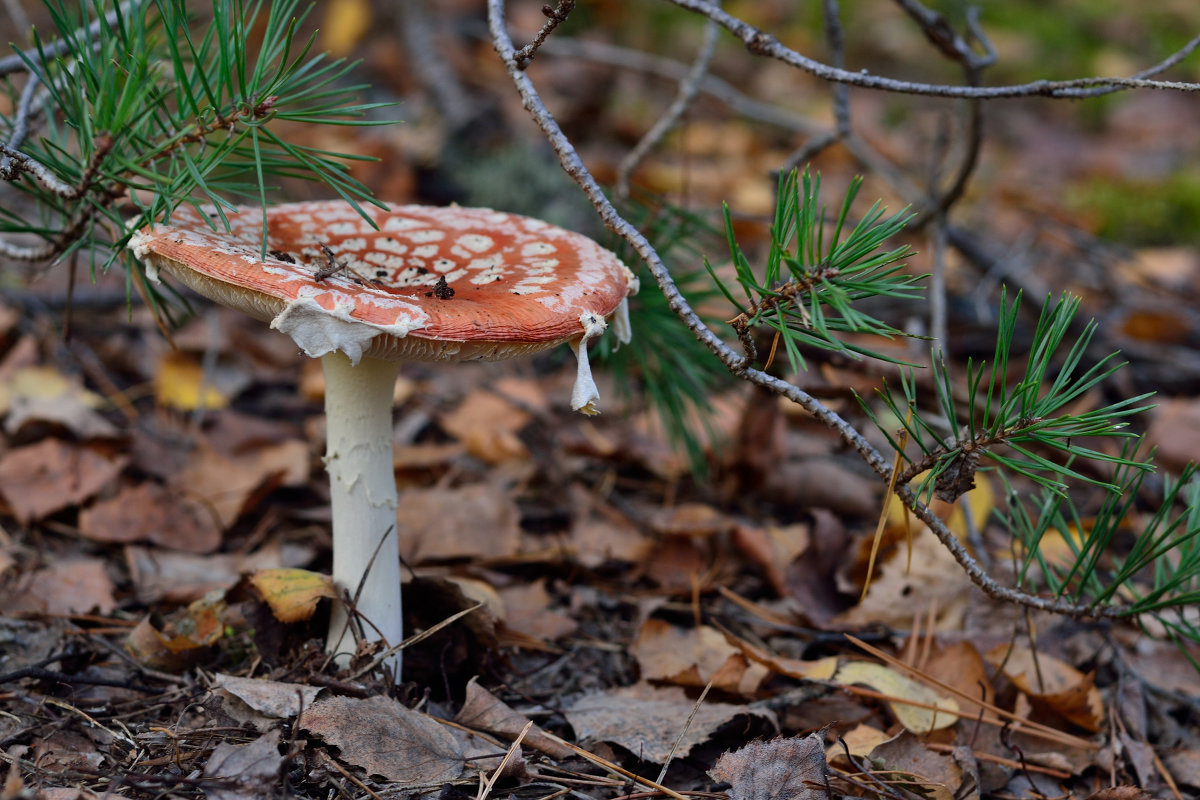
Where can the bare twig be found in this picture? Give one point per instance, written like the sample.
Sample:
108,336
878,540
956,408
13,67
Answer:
764,44
555,16
689,87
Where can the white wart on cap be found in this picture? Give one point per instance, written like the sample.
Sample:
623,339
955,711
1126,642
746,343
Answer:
425,284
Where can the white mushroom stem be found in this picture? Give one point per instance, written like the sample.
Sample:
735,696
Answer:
362,489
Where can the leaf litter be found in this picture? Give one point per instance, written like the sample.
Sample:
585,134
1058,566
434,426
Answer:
162,549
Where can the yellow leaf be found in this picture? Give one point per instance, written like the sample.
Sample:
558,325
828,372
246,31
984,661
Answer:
344,25
180,384
292,594
887,681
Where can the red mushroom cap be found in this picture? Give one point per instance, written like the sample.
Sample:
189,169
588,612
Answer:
424,284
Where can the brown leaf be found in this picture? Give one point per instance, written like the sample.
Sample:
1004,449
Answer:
897,592
63,587
261,703
183,577
648,722
922,771
247,771
527,610
961,666
230,486
793,768
1052,684
472,521
693,657
385,738
484,711
1120,793
152,513
772,549
821,669
51,475
487,425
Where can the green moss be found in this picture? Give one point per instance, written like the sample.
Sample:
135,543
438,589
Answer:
1142,212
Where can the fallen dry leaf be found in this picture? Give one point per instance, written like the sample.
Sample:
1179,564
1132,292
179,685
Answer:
920,770
888,682
70,586
43,394
859,740
822,669
487,425
480,520
898,593
232,485
960,666
292,594
773,548
40,479
693,657
648,722
152,513
184,638
385,738
793,768
527,610
247,771
181,383
1052,685
163,576
260,702
484,711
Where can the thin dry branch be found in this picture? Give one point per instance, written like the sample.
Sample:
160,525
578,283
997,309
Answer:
761,43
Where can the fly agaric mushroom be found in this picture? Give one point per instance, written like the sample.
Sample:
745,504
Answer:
423,284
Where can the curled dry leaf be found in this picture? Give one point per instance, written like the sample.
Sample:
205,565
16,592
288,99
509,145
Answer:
292,594
484,711
899,688
1052,685
185,638
259,702
793,768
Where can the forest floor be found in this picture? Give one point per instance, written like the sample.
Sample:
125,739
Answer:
592,617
